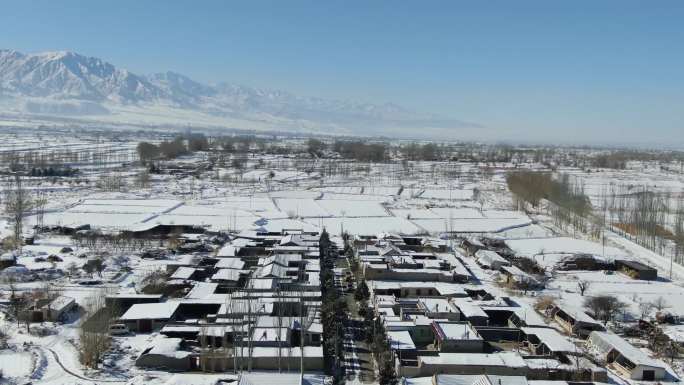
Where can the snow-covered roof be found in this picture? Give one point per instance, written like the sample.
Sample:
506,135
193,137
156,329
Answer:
577,314
183,272
605,342
180,329
280,259
62,302
455,331
228,251
468,308
509,359
524,312
401,340
162,310
271,270
478,379
552,339
169,347
262,283
267,377
230,263
516,272
443,288
200,379
489,257
437,305
202,290
135,296
226,275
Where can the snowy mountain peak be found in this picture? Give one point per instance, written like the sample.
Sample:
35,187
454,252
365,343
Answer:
68,75
65,79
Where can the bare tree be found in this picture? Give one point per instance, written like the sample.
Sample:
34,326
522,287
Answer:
645,309
94,337
660,304
544,303
583,286
604,307
142,180
40,203
17,204
17,301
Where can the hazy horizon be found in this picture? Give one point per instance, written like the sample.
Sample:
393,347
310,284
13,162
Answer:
577,72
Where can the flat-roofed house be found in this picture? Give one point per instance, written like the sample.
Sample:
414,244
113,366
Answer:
145,318
470,312
457,337
503,364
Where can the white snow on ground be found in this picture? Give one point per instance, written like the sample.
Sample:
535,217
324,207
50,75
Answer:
561,245
346,208
301,208
447,194
366,226
286,198
475,225
15,364
628,290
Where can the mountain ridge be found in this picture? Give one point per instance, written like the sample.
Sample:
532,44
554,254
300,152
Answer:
68,83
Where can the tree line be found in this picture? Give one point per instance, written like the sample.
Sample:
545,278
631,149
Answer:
568,204
333,312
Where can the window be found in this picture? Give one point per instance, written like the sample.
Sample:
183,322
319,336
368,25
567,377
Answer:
649,375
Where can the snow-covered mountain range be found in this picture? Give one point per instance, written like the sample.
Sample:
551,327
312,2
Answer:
66,84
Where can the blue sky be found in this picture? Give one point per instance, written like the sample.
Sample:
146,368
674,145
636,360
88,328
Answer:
551,70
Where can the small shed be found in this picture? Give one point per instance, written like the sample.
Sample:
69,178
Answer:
59,308
636,270
472,246
575,321
491,259
520,278
7,260
548,341
166,353
627,359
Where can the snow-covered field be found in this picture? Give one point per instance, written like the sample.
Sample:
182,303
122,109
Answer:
272,193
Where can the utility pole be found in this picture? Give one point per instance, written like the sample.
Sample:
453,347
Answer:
249,328
301,334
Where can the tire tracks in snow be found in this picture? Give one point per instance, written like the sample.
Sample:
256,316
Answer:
67,370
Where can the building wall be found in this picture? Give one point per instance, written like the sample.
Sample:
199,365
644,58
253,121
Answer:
270,363
135,325
166,362
424,276
429,370
638,373
461,346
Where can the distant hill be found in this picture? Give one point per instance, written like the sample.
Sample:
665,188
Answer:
68,84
